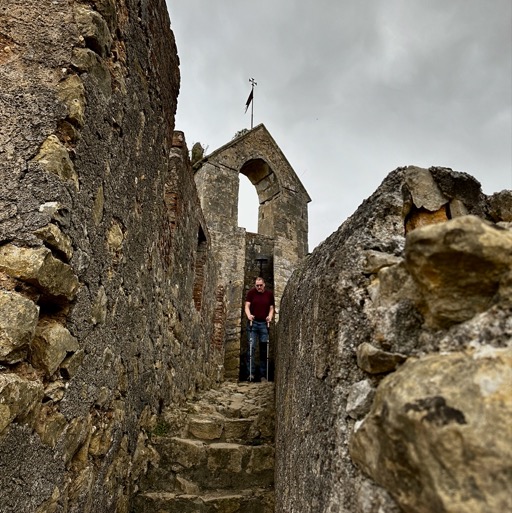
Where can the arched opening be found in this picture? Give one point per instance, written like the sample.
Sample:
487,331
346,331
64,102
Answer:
248,204
265,182
201,257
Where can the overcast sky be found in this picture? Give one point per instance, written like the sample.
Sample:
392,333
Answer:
351,89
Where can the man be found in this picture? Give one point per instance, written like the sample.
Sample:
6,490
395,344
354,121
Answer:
259,309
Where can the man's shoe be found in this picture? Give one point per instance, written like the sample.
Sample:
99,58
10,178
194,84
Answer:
263,380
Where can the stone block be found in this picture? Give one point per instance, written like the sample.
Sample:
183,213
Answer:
424,191
236,429
77,432
262,459
50,425
376,260
94,29
375,361
421,217
226,503
458,266
360,398
457,208
99,308
18,398
52,343
89,61
186,453
186,486
70,365
53,237
101,438
18,321
500,206
226,457
53,157
115,237
72,94
39,267
107,8
205,428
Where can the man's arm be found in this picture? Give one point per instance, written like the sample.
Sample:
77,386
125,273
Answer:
248,311
270,313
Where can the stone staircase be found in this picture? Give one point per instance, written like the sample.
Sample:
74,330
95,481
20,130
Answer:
216,455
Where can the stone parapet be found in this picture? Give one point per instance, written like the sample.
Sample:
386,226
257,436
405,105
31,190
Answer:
394,339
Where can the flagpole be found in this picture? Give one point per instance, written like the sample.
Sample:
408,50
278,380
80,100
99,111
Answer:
252,108
253,83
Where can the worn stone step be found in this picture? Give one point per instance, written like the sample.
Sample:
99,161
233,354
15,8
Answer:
209,427
245,501
209,466
216,454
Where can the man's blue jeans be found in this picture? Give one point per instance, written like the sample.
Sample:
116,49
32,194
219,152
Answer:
257,331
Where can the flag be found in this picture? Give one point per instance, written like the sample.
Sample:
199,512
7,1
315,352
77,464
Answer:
249,100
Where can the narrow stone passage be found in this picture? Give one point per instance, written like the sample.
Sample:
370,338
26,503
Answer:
216,454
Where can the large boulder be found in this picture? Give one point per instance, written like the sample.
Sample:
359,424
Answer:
438,434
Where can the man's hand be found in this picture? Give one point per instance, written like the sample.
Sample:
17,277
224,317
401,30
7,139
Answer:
250,317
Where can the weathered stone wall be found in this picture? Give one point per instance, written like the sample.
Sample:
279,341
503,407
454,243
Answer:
393,366
109,305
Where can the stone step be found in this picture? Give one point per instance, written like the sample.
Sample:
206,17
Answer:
242,400
210,427
216,454
206,466
244,501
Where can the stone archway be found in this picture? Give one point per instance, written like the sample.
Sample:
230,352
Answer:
266,183
281,240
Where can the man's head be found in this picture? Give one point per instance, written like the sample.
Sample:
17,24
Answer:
259,284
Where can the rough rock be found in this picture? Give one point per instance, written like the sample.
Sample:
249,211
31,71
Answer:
458,266
374,360
500,206
54,158
51,344
94,29
86,60
19,398
438,434
72,94
18,321
360,398
377,260
40,267
423,189
53,237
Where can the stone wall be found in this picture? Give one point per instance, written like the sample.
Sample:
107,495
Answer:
393,367
109,305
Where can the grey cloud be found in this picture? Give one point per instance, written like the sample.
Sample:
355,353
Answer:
351,89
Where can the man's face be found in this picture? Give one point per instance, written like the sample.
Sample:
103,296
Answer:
260,285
